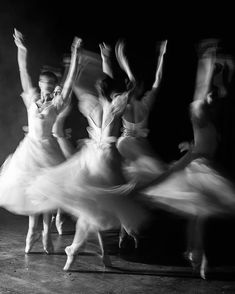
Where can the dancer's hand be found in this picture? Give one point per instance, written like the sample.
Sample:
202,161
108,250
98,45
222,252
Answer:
184,146
120,49
105,50
19,39
76,45
163,47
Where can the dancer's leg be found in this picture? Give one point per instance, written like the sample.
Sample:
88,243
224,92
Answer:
81,233
196,249
59,222
46,233
104,255
32,235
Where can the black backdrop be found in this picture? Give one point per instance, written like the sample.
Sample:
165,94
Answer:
50,26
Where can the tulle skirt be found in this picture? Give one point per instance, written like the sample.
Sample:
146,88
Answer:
90,185
141,163
198,189
20,169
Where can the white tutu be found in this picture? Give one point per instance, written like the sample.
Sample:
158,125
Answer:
141,163
21,167
197,189
90,185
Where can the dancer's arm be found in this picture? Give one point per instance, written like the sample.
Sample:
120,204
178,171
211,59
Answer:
185,146
151,95
58,127
105,53
58,131
158,74
135,88
72,73
22,56
205,69
123,61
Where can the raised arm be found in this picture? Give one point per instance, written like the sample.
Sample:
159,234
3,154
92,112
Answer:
123,61
60,133
135,87
72,72
158,75
205,69
150,96
105,53
22,55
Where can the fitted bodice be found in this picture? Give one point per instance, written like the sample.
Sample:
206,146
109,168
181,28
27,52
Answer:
135,118
104,118
138,129
41,120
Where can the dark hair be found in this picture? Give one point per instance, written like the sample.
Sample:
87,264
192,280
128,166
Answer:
106,86
49,74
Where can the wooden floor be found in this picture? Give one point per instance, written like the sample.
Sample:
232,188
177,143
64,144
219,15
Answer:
157,266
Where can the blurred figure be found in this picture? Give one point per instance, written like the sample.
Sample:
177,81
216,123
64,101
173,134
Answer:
90,185
193,186
39,149
141,162
63,139
68,150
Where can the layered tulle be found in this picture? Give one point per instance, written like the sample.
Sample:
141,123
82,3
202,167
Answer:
198,189
21,168
90,185
141,163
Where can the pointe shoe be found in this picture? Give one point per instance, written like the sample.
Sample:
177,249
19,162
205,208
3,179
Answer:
71,257
31,239
47,243
198,262
203,267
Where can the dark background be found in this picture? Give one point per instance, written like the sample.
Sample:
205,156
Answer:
49,28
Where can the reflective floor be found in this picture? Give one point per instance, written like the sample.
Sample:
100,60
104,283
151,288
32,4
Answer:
157,266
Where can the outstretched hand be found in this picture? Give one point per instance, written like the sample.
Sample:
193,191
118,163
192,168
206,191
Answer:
120,48
105,50
120,55
184,146
76,45
163,47
19,39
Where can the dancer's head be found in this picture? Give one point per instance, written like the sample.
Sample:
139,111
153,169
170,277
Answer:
107,87
47,82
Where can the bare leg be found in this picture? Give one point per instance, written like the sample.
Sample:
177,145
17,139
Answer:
46,234
33,235
105,257
196,251
59,222
82,231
